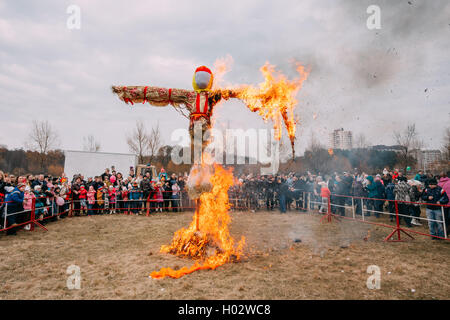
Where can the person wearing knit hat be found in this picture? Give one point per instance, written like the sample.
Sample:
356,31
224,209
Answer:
402,193
15,204
21,185
435,197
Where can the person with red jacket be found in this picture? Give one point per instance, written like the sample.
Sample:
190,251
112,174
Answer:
91,200
112,199
325,193
124,193
83,196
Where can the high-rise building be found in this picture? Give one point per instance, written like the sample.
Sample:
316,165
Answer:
426,158
340,139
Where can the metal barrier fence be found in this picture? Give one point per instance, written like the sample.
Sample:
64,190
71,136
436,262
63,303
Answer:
306,201
364,206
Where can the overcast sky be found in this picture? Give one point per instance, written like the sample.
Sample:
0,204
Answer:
370,81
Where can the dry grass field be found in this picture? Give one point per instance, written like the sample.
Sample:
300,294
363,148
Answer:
116,254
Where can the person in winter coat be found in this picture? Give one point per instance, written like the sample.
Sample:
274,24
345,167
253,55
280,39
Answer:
339,197
76,186
125,205
28,204
167,194
358,191
402,194
444,183
159,197
416,196
40,210
146,187
381,195
83,197
162,174
91,195
390,197
175,196
100,199
386,178
435,196
134,195
112,199
28,198
325,195
14,201
2,187
282,191
375,193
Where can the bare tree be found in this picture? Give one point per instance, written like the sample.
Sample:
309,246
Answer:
42,138
361,141
408,141
314,144
138,142
154,142
90,144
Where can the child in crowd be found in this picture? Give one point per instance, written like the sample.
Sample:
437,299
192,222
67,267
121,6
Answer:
124,195
50,200
325,195
58,208
134,196
91,200
105,192
119,202
112,199
159,197
40,203
175,196
100,200
83,202
28,204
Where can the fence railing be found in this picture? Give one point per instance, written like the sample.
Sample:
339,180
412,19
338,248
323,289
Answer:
337,206
364,207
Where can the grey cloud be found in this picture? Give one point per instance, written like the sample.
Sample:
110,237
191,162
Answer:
360,79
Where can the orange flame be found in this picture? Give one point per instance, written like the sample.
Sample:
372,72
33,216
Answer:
221,67
330,152
212,244
274,99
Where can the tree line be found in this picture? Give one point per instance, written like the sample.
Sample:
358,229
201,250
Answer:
43,155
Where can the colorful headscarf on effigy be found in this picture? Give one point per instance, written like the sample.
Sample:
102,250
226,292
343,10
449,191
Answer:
203,79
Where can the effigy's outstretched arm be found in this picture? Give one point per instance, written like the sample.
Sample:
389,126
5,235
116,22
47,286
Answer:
229,93
155,96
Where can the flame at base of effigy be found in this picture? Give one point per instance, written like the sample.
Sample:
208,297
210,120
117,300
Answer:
207,238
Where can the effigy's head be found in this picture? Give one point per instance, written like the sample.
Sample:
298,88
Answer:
203,79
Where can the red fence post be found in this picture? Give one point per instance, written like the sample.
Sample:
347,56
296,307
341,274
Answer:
33,213
71,207
397,219
397,228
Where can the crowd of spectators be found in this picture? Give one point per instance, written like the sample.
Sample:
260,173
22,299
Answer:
110,192
373,194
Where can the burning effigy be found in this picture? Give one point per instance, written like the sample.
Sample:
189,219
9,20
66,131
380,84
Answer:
207,239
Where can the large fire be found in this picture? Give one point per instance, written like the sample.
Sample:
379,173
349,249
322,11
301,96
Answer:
274,98
207,238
